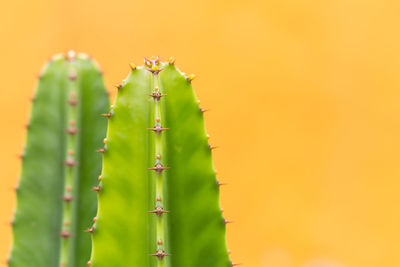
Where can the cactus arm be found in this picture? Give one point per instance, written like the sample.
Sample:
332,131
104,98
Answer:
196,226
123,226
49,190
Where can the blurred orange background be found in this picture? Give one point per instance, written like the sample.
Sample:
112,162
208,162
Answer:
304,98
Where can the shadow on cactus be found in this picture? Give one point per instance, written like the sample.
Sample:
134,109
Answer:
59,165
158,198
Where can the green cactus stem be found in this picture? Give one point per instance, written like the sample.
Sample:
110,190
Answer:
59,165
159,195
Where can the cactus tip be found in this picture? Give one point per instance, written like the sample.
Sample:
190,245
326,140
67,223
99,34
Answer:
133,66
171,60
71,55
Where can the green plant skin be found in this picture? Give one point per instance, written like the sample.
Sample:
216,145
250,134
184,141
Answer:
46,180
192,233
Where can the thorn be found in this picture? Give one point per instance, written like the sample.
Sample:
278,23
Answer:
133,66
160,254
219,183
70,162
235,264
159,242
72,75
102,150
158,210
158,168
108,115
99,178
171,61
222,210
158,156
67,198
105,140
94,219
71,130
68,188
119,86
208,136
157,95
203,110
190,77
65,234
159,199
229,251
89,263
227,221
71,55
155,70
212,147
90,230
157,129
73,102
96,188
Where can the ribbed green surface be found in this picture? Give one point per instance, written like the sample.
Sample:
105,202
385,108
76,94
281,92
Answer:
41,212
193,232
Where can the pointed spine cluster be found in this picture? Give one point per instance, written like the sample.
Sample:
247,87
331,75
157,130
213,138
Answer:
70,160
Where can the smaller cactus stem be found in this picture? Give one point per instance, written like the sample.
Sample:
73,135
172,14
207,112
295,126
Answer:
70,162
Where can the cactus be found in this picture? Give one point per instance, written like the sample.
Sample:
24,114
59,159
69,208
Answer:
60,165
158,198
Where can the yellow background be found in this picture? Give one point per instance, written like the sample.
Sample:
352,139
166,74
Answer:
305,105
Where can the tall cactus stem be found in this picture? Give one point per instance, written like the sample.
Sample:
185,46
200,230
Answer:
58,166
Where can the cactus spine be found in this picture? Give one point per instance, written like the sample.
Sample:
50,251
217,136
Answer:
60,166
159,196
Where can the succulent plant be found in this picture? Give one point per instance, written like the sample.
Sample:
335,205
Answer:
158,196
59,165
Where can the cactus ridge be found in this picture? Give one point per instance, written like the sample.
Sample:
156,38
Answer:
59,165
159,198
